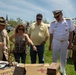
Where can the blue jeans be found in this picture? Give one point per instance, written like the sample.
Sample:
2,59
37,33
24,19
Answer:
40,52
18,55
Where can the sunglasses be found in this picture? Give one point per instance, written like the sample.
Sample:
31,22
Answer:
20,29
39,19
57,16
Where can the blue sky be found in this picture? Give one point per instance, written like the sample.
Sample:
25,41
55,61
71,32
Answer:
27,9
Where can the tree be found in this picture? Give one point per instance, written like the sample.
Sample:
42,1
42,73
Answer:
12,22
74,20
45,21
19,21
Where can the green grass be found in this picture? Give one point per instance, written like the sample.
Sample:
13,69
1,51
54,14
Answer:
48,59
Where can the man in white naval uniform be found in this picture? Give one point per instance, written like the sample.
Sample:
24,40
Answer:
61,34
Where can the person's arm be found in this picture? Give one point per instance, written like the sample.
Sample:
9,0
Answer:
11,38
74,43
70,40
30,42
45,40
74,40
7,42
50,41
46,35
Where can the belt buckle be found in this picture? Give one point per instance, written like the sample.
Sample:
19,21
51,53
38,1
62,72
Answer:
62,40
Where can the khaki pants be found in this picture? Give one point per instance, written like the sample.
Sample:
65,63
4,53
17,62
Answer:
69,55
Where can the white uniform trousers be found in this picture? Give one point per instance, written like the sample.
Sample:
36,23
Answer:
60,49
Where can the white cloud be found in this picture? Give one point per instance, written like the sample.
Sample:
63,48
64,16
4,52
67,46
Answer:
67,6
29,8
14,6
60,4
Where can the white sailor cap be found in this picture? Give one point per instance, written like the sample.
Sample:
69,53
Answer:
57,12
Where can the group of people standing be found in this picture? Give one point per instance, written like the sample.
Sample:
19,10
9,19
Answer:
61,35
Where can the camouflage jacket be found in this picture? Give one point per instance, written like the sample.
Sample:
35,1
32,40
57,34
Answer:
5,40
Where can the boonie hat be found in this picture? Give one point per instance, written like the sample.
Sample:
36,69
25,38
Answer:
2,21
57,12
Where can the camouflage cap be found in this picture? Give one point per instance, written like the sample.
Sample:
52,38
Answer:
2,21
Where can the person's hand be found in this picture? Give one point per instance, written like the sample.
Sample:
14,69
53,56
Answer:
34,48
70,46
74,47
1,44
43,42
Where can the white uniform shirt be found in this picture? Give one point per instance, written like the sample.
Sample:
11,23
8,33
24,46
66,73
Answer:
60,30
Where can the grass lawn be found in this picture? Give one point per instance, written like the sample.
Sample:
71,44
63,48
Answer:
48,59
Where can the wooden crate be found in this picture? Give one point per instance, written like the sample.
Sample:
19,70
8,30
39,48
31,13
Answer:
53,69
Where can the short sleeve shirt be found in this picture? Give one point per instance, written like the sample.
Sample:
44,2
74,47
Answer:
38,33
61,30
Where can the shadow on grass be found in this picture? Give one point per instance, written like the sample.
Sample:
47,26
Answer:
69,61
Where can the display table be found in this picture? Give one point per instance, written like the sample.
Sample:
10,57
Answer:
31,69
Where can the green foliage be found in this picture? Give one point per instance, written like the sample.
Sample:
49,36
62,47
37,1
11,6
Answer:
19,21
45,21
12,22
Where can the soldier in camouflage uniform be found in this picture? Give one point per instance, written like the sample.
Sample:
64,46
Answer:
4,45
